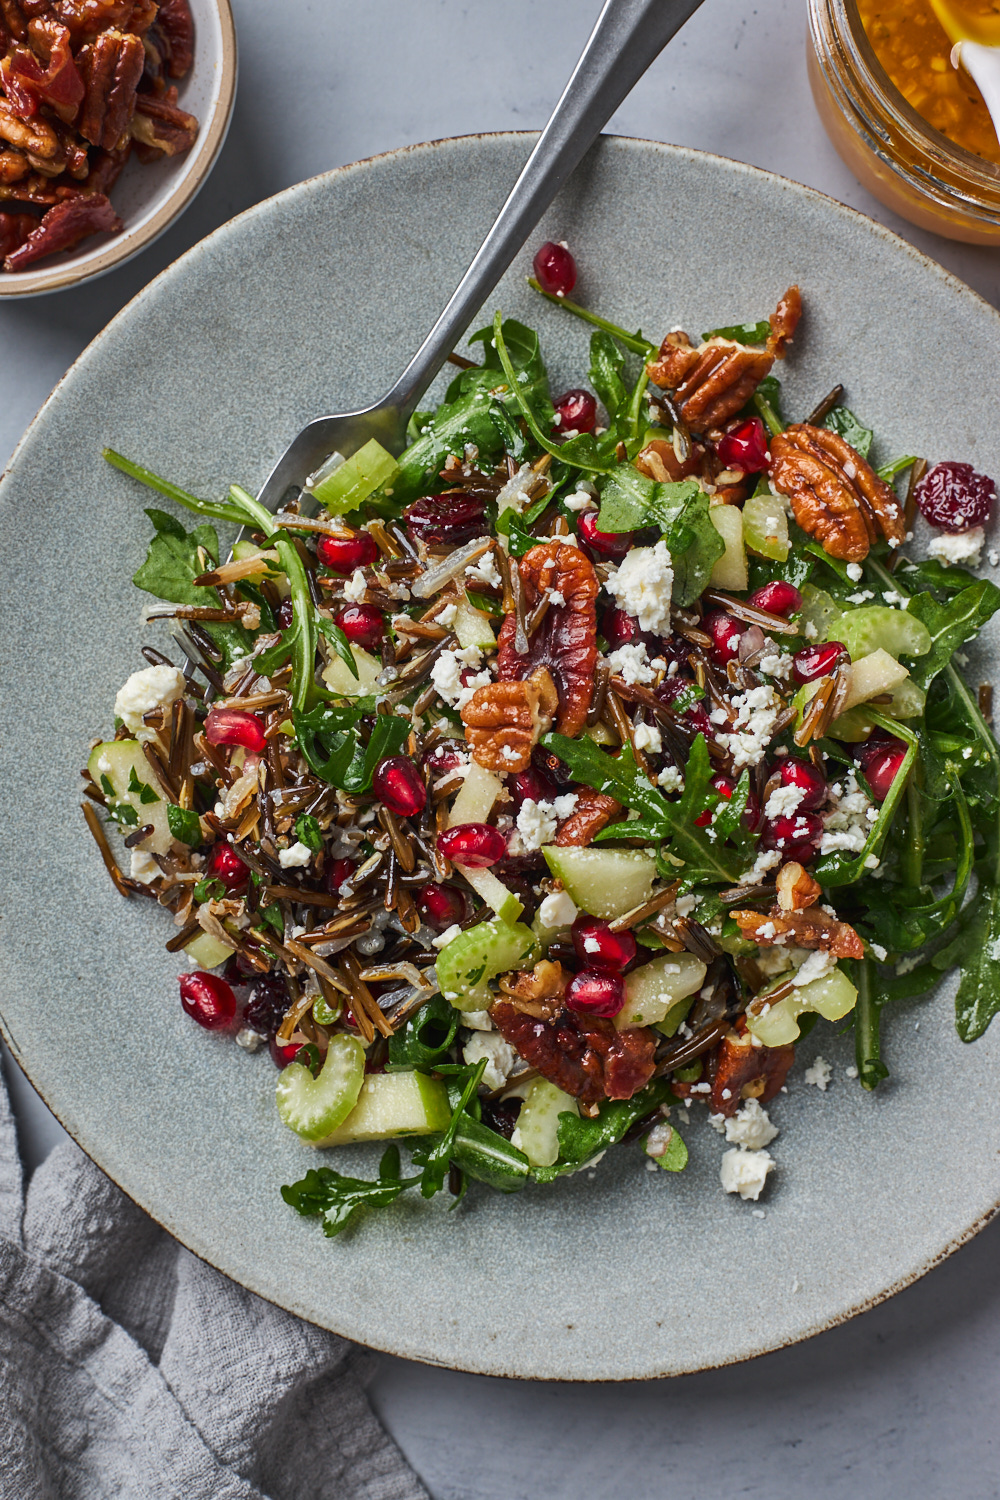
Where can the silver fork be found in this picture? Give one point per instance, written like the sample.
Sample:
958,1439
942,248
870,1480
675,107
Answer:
628,36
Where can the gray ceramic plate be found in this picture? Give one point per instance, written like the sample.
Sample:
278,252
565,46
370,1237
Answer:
311,303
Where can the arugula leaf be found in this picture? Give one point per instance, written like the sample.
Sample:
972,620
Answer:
741,333
175,559
580,1140
867,1016
630,501
146,793
209,890
337,1198
842,868
634,341
185,825
929,574
583,452
338,640
328,736
607,367
307,831
426,1037
270,916
895,466
840,419
488,1157
978,998
435,1159
951,624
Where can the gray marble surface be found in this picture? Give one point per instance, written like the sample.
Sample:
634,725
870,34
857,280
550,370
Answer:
906,1395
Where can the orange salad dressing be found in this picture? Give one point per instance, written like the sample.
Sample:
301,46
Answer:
913,48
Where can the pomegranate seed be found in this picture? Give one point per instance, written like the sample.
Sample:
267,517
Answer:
596,945
745,447
725,633
281,1056
577,412
337,871
778,598
362,624
725,788
555,269
399,786
269,999
345,553
604,543
882,770
618,628
225,864
455,517
208,1000
474,844
532,785
875,744
797,836
954,497
441,906
818,661
804,775
286,614
596,994
233,726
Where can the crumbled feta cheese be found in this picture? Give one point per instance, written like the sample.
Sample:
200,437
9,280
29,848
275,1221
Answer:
718,1123
558,910
537,823
907,965
144,867
846,824
994,557
565,805
445,617
485,571
783,801
820,1074
444,938
248,1039
500,1057
658,1140
580,500
855,572
777,664
750,1127
477,1020
861,597
642,585
514,495
851,1072
647,737
684,906
671,779
631,663
355,588
745,1172
817,966
446,675
153,687
556,598
764,862
295,856
757,712
892,597
879,952
965,547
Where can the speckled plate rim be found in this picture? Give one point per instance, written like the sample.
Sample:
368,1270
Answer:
118,251
810,1327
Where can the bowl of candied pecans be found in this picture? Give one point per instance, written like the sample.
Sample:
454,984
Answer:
112,113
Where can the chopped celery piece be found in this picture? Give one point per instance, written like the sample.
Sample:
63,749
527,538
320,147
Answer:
775,1025
765,527
537,1133
314,1107
876,626
472,958
653,991
359,476
393,1104
207,952
604,882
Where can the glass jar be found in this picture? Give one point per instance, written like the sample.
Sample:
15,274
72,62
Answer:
907,164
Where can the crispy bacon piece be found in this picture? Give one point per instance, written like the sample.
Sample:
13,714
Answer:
743,1071
594,810
582,1055
58,85
14,230
566,639
812,928
63,227
112,66
159,128
175,23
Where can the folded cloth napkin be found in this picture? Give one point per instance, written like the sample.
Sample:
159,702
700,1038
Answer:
130,1369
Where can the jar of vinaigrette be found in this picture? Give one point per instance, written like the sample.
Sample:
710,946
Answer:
913,130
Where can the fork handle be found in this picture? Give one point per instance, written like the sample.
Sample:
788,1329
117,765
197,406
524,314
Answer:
628,36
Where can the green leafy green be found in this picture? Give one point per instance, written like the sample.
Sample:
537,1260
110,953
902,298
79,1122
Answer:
950,624
978,997
742,333
330,738
146,794
336,1198
185,825
426,1037
580,1140
843,421
634,341
607,372
583,452
630,501
338,640
307,831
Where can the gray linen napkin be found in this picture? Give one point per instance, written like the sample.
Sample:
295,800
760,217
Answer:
130,1369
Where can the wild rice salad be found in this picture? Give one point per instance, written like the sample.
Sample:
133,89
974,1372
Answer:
517,793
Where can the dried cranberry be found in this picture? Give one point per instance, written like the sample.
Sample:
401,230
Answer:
281,1055
362,624
441,906
455,517
954,496
225,864
208,1000
600,948
269,999
233,726
399,786
501,1116
337,871
618,628
532,785
604,543
474,844
745,447
778,598
672,688
286,614
345,553
555,269
595,994
882,769
796,837
725,633
577,412
818,661
445,756
806,777
552,767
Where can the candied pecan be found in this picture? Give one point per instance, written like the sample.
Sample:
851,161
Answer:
14,166
105,169
35,137
594,810
806,929
14,230
174,21
583,1055
540,993
85,18
160,128
37,189
505,720
566,639
710,383
63,227
796,887
111,66
674,361
836,495
659,461
742,1071
784,321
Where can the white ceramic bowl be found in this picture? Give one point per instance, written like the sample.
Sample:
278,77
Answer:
150,198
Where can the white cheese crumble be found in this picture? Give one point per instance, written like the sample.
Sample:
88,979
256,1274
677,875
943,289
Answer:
757,713
153,687
485,571
144,867
444,938
476,1020
764,862
783,801
580,500
500,1057
647,737
558,910
537,823
750,1127
671,779
817,966
445,617
295,856
820,1074
642,585
745,1172
846,826
879,952
861,597
777,664
631,663
446,675
514,495
355,588
966,547
855,572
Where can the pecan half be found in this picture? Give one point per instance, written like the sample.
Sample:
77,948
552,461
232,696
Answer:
160,128
796,887
594,810
35,137
806,929
659,461
175,23
63,227
565,642
111,67
13,19
836,495
784,321
582,1055
14,166
743,1071
505,720
85,18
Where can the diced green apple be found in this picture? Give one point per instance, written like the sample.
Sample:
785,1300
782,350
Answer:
475,797
393,1104
606,883
491,889
765,527
869,678
314,1107
820,614
907,702
538,1121
654,990
359,476
774,1025
472,958
730,570
207,952
341,680
473,628
125,777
